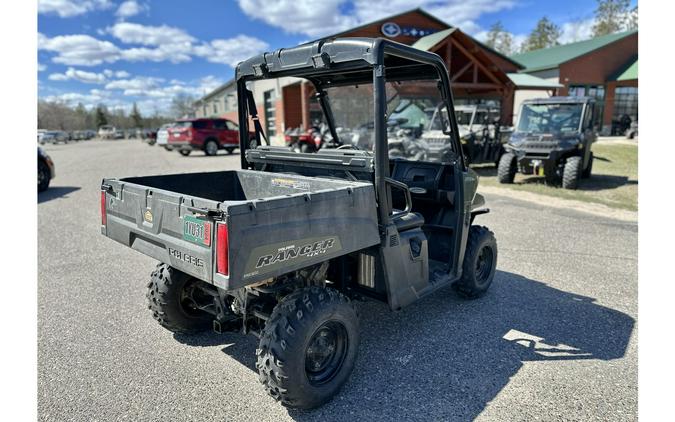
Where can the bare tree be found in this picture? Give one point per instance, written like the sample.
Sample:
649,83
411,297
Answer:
499,39
611,16
182,105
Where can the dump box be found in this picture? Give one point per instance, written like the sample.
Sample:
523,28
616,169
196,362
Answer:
240,227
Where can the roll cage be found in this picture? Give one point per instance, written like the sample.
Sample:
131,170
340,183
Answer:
340,62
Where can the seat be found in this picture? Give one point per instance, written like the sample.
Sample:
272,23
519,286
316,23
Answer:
411,220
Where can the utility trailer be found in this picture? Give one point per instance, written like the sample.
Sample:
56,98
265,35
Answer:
284,246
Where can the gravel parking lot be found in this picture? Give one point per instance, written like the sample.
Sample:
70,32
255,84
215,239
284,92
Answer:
554,339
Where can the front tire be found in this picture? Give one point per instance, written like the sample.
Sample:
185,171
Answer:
174,298
211,148
229,150
480,263
571,173
507,168
308,347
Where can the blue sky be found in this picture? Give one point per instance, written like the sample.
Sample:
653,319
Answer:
118,52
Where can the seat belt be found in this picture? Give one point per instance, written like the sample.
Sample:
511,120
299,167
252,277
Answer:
253,111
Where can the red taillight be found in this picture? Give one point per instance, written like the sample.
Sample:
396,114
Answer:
104,216
222,262
317,141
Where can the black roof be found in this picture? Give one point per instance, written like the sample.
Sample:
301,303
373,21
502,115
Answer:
342,61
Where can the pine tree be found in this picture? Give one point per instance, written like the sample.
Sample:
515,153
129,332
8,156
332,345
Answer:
611,16
136,117
101,118
544,35
499,39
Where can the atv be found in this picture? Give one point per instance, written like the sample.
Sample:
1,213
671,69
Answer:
283,247
553,138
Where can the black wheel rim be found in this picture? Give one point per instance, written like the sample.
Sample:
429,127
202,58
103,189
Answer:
484,265
326,352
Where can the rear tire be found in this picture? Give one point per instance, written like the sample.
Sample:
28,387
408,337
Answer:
507,168
171,297
587,172
184,152
44,176
571,173
211,147
480,263
308,347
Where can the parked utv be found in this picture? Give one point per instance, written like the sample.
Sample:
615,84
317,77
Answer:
478,133
553,139
283,247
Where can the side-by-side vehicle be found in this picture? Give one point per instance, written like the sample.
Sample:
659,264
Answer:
282,247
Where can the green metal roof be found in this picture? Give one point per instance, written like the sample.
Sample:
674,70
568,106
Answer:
426,43
628,72
552,57
524,80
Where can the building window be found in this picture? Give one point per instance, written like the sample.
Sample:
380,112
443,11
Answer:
215,108
270,112
625,108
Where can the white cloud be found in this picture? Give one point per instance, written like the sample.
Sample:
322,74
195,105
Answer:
130,8
338,15
141,83
232,50
42,67
576,31
79,50
134,33
68,8
116,74
79,75
93,97
159,54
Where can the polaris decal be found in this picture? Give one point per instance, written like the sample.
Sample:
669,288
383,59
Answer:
264,259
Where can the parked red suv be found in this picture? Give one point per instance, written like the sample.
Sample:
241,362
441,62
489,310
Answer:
208,135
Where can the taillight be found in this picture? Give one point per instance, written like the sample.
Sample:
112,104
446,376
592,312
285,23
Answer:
188,133
317,141
104,216
222,262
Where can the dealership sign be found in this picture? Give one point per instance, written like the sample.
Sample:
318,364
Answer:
393,30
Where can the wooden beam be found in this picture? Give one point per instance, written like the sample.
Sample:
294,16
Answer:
462,71
481,85
475,74
471,56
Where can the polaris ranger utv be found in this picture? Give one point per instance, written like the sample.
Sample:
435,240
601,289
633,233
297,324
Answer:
282,247
553,139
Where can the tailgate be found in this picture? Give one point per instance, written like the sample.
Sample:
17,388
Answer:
160,224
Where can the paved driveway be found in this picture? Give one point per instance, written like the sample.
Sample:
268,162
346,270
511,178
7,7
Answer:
554,339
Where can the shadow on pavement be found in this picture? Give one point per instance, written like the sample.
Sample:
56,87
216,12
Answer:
447,358
55,192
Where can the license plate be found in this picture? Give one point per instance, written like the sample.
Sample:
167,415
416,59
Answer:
196,230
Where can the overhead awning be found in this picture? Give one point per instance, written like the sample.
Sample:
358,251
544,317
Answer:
527,81
628,72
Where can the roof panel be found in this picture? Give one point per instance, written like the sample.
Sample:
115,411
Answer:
547,58
629,73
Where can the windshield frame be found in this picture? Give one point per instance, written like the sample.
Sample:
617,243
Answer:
580,127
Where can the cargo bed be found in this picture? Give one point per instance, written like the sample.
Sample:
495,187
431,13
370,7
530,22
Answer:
236,228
